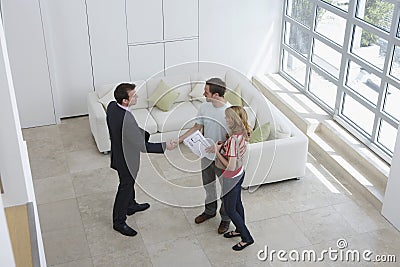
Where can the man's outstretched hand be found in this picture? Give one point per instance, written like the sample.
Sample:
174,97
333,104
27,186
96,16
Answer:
172,144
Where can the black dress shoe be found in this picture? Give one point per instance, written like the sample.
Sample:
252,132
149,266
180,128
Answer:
125,230
137,208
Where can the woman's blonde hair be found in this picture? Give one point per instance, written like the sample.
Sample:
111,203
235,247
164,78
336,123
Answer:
238,116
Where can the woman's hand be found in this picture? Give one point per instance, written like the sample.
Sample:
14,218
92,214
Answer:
217,146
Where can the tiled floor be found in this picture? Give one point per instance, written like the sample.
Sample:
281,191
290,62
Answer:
75,190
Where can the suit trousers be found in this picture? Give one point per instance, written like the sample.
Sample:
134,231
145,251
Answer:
124,199
210,173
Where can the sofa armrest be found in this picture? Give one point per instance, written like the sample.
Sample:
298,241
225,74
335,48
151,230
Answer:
98,123
276,160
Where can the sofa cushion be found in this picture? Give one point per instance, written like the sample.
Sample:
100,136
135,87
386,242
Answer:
178,83
251,116
180,116
261,133
198,90
145,120
102,90
280,128
107,98
163,97
248,91
140,91
233,96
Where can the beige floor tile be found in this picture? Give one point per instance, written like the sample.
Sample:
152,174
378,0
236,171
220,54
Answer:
45,148
66,245
40,133
59,215
53,189
95,181
95,208
84,160
189,191
78,263
322,224
362,219
128,258
181,251
161,225
260,205
103,240
54,165
75,190
278,233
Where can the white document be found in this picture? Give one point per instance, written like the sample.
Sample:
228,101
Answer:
198,144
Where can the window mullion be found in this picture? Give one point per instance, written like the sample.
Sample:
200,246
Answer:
343,63
386,69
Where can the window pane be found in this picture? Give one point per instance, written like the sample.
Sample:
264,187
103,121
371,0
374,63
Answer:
326,57
362,82
358,114
395,67
330,25
369,47
392,102
297,39
294,67
301,10
342,4
323,89
376,12
387,135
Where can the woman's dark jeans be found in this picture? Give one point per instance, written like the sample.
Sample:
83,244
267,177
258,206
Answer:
232,188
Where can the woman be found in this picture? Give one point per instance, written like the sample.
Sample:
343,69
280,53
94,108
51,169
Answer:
230,154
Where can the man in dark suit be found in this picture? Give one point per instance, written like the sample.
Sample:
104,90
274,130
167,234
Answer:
127,141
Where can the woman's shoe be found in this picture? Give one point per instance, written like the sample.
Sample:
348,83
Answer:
231,234
239,246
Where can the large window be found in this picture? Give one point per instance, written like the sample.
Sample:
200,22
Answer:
345,55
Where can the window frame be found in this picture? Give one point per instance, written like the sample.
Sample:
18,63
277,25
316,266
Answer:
384,74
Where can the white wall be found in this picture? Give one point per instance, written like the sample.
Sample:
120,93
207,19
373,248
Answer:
244,35
94,42
27,53
67,37
391,208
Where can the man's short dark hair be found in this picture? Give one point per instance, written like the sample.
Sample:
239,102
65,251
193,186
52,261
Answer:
216,86
122,90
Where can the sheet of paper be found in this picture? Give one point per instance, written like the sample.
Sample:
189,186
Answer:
197,143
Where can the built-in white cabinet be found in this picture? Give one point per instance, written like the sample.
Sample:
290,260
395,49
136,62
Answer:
28,61
161,34
144,21
108,41
146,60
181,57
67,33
180,19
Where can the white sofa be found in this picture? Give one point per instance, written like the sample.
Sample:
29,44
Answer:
282,156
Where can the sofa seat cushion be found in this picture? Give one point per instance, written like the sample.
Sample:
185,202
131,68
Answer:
180,116
145,120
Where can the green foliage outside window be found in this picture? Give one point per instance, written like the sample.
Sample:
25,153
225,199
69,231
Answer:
378,13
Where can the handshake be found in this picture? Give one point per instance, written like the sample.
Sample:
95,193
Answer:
172,144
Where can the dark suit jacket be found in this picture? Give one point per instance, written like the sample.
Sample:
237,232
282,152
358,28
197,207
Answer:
127,140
